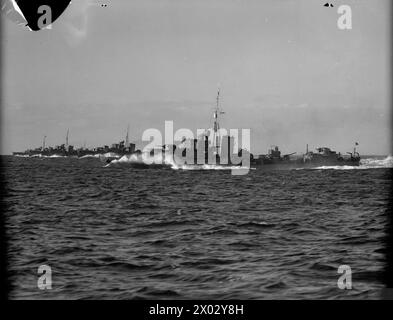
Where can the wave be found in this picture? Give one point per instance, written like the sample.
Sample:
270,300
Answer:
96,155
373,162
368,163
159,160
110,155
126,159
55,156
39,155
22,156
208,167
90,156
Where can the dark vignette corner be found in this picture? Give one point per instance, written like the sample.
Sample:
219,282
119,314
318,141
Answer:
4,279
388,274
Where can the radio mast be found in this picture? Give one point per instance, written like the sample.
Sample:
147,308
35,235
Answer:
216,127
43,143
66,144
127,140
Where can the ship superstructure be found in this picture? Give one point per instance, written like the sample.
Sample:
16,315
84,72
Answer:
323,156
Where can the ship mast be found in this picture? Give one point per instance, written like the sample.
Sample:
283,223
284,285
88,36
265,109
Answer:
43,143
216,127
127,141
66,144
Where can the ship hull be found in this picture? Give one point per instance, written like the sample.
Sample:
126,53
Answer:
300,164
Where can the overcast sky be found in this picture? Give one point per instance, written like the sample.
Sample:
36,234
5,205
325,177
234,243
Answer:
285,70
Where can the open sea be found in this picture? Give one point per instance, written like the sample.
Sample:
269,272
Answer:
119,232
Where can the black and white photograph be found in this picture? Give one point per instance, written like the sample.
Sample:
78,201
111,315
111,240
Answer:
185,150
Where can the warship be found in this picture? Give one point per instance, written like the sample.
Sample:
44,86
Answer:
220,148
209,148
115,151
323,156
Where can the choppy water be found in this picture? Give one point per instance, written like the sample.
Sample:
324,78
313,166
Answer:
126,233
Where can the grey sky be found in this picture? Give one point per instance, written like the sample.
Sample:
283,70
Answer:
285,70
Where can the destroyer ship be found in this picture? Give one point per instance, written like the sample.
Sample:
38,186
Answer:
222,147
115,151
323,156
211,148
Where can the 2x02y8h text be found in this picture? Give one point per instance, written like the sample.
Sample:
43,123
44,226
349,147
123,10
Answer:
198,309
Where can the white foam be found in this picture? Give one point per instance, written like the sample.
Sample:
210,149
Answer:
39,155
90,156
208,167
159,159
110,155
133,158
368,163
54,156
378,163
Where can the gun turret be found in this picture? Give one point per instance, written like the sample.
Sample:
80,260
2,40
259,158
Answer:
289,154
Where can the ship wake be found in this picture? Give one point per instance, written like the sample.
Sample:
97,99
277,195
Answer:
39,155
159,161
368,163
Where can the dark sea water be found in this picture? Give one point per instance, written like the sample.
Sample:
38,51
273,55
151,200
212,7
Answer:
119,232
